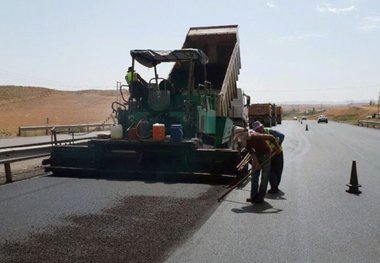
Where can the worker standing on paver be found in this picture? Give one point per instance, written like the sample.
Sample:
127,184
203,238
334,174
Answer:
259,143
137,85
132,75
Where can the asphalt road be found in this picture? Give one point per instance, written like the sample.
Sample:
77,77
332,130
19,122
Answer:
32,205
312,220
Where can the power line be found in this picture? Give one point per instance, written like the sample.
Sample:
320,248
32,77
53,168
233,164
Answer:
49,82
319,89
32,78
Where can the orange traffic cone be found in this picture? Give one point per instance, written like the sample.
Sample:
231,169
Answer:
307,128
353,185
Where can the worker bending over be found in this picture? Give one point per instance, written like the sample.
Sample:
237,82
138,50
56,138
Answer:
277,161
260,144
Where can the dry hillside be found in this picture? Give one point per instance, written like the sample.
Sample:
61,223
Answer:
341,113
22,106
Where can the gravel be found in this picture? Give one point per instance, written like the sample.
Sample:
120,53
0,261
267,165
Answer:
137,229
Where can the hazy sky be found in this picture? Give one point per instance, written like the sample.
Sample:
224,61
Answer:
291,50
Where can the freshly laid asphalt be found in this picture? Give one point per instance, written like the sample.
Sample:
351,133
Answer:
312,219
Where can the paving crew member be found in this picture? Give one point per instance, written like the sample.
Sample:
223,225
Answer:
259,143
137,85
277,161
132,75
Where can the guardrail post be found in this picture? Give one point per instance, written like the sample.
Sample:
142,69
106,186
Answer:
8,173
53,136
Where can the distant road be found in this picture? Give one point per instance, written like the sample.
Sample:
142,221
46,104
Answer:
313,220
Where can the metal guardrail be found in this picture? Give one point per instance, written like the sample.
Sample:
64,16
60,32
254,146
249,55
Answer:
368,123
46,129
17,153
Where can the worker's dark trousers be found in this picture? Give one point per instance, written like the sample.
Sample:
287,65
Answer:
259,191
277,164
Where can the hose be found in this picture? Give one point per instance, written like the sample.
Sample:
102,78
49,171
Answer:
137,131
121,93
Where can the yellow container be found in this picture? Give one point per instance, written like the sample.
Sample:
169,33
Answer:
158,132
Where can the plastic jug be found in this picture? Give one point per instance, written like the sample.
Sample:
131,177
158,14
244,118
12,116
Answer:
117,131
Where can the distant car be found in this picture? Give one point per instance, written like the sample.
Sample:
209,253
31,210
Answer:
322,118
295,118
304,118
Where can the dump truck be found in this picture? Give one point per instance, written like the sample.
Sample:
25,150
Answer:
183,123
260,112
279,114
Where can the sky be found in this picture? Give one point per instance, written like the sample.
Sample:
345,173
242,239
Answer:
291,50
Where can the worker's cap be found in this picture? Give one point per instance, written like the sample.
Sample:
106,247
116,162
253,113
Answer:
130,68
256,125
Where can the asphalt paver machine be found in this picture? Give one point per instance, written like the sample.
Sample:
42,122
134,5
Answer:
179,124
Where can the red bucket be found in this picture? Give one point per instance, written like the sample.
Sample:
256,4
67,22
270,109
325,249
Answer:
132,134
